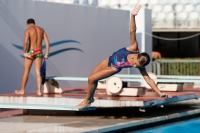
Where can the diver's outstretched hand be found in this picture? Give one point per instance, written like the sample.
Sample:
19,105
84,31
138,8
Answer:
136,10
166,96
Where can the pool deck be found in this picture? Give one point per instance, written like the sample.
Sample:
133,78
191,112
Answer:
100,120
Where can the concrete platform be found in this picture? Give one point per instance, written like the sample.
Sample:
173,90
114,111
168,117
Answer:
72,96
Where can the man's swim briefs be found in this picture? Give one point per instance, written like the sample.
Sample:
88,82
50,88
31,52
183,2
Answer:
35,53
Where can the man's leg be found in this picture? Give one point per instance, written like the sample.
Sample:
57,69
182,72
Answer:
27,66
38,64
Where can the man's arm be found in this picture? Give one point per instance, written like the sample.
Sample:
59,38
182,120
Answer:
134,44
47,45
159,55
26,37
156,55
152,84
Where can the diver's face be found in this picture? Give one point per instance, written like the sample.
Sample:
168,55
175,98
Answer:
136,63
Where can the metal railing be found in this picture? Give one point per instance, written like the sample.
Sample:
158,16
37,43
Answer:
176,67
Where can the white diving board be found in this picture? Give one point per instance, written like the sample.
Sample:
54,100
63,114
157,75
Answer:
129,79
159,76
164,80
69,78
43,107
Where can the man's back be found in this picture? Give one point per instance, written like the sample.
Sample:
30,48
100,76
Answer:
36,35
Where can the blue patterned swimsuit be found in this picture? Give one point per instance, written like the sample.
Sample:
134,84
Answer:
118,60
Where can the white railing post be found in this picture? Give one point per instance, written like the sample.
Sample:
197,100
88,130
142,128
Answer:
158,68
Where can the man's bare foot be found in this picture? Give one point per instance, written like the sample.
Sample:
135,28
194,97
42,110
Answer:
21,92
85,103
39,93
136,10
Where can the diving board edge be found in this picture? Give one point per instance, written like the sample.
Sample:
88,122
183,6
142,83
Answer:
43,107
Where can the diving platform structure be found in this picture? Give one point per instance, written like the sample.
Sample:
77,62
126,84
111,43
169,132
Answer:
70,97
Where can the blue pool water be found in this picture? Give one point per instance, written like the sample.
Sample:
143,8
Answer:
186,126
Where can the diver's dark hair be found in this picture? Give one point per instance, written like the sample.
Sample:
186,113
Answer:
143,59
30,21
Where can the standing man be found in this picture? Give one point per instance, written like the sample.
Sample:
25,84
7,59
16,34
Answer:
34,35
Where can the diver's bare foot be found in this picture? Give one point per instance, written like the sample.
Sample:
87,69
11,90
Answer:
91,100
39,93
136,10
21,92
83,104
